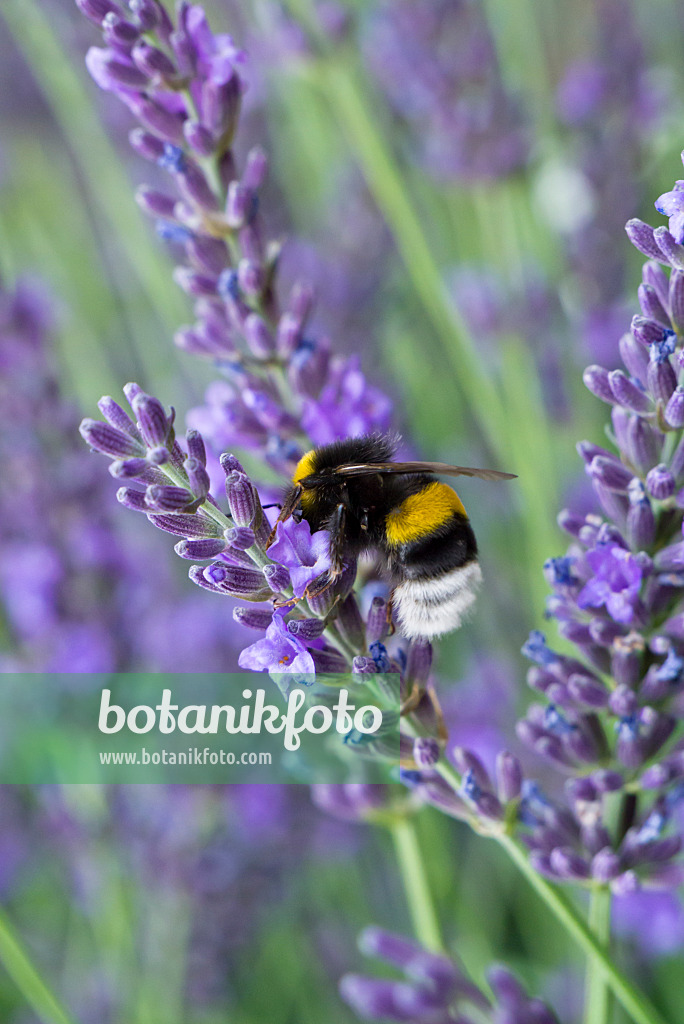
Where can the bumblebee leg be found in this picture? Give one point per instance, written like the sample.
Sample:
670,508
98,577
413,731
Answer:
285,513
391,628
413,700
336,526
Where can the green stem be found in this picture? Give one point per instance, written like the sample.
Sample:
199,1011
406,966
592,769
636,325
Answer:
20,968
637,1005
418,895
597,992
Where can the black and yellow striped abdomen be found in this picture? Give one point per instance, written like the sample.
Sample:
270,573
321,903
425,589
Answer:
432,552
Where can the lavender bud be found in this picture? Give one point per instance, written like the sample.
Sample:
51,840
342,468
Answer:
240,537
654,276
376,624
116,417
568,864
651,305
147,145
112,72
677,300
425,752
209,255
670,558
134,500
158,120
606,865
648,331
640,518
661,379
418,663
596,379
220,106
163,498
674,411
627,393
253,618
350,622
238,205
660,482
509,776
153,421
587,691
607,781
194,283
641,236
671,249
147,14
229,464
129,469
610,473
152,61
97,10
187,526
634,356
199,550
108,440
237,581
645,444
626,660
241,498
199,138
198,478
277,577
154,203
305,629
328,660
258,337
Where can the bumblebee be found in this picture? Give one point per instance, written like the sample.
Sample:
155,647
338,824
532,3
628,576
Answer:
419,526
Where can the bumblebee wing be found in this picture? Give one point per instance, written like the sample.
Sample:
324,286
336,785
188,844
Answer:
367,469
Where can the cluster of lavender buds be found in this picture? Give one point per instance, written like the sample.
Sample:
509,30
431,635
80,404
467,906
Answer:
60,586
282,390
609,106
436,61
184,85
612,715
434,988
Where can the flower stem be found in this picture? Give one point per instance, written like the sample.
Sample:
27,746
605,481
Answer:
597,992
21,969
418,895
637,1005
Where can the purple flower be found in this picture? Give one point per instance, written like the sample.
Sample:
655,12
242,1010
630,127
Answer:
278,651
348,406
306,555
616,582
671,204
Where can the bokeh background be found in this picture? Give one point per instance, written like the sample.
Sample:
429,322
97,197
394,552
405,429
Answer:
440,170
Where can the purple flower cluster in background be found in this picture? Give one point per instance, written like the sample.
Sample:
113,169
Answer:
436,61
434,988
532,311
72,583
